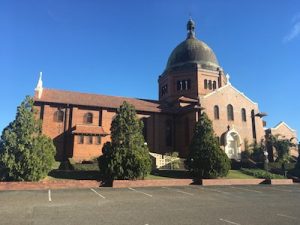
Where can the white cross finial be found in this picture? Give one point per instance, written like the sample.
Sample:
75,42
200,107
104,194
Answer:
39,86
228,78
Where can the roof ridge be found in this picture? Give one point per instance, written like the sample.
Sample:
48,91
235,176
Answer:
104,95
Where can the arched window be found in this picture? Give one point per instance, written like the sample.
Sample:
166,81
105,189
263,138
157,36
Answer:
230,115
210,85
59,116
169,129
205,84
216,112
253,124
214,85
88,118
244,118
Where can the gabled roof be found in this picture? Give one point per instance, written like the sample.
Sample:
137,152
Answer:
282,123
96,100
229,86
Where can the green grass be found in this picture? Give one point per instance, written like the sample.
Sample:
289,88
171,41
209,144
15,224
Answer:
156,177
237,174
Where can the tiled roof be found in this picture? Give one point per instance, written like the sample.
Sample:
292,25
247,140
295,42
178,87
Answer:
88,129
84,99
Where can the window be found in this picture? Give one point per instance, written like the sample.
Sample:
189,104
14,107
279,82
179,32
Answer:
214,85
216,112
210,85
98,140
80,139
244,118
183,85
88,118
145,128
230,115
90,140
164,90
59,116
205,84
253,124
168,134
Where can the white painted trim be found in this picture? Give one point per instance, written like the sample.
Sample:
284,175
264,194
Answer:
282,123
226,86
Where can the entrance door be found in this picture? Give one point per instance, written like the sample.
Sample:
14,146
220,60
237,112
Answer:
232,148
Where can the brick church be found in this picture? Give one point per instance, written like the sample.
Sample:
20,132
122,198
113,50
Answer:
192,82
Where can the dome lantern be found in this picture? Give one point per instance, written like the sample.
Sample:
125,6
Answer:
191,29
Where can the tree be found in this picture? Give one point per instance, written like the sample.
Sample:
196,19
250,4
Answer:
127,156
25,153
257,151
282,147
206,159
298,159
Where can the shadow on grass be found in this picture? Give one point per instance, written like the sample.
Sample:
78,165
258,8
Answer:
177,174
75,175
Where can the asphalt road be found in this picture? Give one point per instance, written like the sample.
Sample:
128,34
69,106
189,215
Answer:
235,205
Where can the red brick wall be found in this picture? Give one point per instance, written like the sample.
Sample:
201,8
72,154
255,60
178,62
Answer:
230,96
284,132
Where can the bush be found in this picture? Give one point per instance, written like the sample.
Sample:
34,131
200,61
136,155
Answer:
258,173
126,157
25,154
206,159
278,165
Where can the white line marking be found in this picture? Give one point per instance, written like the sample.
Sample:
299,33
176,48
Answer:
97,193
211,189
49,195
277,189
140,192
286,216
179,191
227,221
246,189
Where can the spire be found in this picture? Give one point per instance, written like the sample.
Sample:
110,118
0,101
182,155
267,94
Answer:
190,28
39,86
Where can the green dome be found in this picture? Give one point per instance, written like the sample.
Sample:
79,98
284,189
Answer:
193,50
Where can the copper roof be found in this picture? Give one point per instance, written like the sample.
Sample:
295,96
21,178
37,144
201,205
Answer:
88,129
84,99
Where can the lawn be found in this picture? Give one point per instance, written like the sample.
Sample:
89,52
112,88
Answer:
177,174
237,174
93,174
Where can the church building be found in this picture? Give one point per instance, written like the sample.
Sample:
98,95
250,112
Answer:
192,82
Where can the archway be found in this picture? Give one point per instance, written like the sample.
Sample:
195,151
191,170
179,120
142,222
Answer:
233,145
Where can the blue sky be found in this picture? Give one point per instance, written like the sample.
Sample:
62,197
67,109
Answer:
121,47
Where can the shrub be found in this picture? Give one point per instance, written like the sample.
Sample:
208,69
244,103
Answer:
257,151
258,173
126,157
25,154
206,159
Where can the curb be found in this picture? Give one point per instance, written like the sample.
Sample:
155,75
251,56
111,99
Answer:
78,184
43,185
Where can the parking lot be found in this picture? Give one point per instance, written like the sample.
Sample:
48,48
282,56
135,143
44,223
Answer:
244,205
